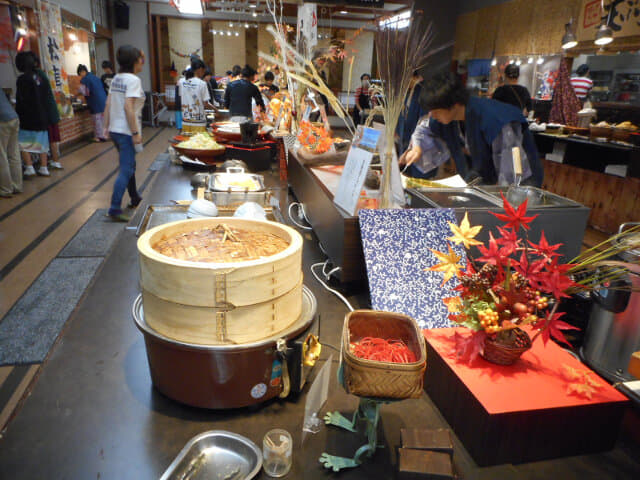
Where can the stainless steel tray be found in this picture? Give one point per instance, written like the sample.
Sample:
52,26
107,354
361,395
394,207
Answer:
216,455
221,182
537,198
457,198
159,214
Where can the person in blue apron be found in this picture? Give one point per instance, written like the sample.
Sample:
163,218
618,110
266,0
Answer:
488,128
93,90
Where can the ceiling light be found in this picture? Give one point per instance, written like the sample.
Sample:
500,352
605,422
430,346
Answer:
237,34
518,63
530,60
494,62
569,38
604,35
252,6
228,33
254,14
230,24
73,37
343,12
213,31
511,62
189,7
540,61
246,25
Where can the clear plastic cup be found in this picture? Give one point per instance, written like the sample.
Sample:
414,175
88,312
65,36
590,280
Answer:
276,452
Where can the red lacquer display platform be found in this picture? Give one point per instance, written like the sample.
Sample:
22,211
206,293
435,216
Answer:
519,413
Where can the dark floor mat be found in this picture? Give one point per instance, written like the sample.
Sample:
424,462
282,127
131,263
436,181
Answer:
95,237
32,325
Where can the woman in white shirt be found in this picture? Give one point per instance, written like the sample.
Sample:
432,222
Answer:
122,121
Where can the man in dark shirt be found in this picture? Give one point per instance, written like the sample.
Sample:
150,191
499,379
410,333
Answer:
511,92
107,76
238,95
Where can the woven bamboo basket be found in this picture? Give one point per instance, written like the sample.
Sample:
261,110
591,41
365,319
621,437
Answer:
368,378
506,354
221,303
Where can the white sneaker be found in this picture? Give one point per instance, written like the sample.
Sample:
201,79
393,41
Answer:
56,165
44,171
29,171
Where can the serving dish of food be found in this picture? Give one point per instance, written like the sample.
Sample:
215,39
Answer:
201,147
236,182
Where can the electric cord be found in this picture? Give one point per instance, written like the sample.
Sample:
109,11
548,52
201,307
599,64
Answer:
327,276
303,215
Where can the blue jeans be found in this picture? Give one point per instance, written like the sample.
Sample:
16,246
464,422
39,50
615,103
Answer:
126,179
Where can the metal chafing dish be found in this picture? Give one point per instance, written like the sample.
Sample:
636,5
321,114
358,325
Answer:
216,454
228,181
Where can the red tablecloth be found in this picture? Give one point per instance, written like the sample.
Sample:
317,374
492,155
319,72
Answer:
534,382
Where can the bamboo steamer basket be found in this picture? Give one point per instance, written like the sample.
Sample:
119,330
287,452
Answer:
220,303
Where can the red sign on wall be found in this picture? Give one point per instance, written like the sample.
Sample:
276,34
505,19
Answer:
592,14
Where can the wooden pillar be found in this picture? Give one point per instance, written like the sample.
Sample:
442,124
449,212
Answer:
251,46
207,45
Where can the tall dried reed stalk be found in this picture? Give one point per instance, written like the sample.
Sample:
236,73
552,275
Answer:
400,52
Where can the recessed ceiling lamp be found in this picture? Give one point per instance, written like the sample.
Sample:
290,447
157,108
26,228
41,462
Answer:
228,33
530,60
604,35
569,38
540,61
237,34
343,12
214,32
246,25
254,14
494,62
189,7
518,62
252,6
230,24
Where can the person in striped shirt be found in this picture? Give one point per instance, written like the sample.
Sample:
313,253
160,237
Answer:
582,84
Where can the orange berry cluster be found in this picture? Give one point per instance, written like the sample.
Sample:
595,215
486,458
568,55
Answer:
489,320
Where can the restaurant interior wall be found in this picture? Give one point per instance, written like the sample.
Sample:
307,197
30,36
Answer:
102,52
185,37
82,8
443,16
363,45
467,6
138,36
228,50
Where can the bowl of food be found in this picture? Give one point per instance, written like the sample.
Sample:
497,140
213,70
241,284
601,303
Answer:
622,131
601,130
201,147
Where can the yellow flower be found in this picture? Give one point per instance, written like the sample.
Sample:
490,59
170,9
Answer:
449,265
465,233
454,304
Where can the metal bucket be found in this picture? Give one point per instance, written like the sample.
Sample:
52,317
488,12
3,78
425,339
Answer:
228,376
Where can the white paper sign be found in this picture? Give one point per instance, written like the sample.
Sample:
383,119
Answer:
352,179
307,36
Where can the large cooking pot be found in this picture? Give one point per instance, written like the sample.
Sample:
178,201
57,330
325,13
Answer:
613,333
231,376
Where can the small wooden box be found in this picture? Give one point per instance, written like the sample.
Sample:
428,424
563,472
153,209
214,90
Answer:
424,465
424,439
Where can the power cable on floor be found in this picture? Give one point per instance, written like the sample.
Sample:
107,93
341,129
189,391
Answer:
299,205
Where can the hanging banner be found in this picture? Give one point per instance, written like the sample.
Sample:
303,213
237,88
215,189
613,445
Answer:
623,16
52,53
307,35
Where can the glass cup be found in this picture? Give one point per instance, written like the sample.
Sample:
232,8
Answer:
276,452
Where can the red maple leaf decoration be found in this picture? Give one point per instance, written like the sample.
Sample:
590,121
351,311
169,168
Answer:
555,280
554,329
513,218
468,347
508,240
492,255
543,247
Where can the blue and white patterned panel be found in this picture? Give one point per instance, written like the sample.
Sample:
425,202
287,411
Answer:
396,247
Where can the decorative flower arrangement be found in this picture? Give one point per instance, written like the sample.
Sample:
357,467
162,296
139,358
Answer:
514,282
315,139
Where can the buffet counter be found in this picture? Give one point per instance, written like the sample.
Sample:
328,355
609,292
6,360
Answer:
93,412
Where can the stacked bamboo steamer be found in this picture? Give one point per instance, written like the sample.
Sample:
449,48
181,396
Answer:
220,303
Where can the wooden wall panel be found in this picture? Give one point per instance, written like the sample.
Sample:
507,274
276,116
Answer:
487,31
613,200
207,44
514,28
547,24
465,36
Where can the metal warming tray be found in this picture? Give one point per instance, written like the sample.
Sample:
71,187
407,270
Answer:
216,455
457,198
537,198
159,214
228,181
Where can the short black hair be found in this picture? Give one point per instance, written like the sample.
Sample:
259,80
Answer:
107,64
512,71
207,71
443,91
189,74
197,64
365,75
82,68
229,72
269,76
36,60
236,70
25,61
248,72
582,70
127,57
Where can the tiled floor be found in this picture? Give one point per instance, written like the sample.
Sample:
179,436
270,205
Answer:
37,224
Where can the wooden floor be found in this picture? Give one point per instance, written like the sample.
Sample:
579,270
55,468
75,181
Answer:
37,224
